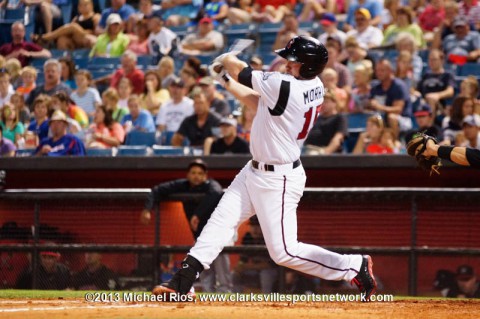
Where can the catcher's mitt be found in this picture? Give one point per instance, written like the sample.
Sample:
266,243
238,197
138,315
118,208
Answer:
417,146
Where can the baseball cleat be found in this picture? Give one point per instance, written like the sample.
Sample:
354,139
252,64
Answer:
365,280
171,295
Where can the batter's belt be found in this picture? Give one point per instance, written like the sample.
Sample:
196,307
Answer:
271,168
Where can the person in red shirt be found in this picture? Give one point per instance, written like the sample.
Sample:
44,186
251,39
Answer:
432,16
21,49
130,71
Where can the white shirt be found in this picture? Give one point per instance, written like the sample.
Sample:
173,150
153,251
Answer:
172,115
467,143
88,100
370,37
286,112
161,41
5,99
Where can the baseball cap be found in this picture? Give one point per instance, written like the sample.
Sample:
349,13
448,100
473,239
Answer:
465,272
177,82
423,110
198,162
470,120
459,21
228,121
205,20
328,19
58,116
206,80
364,12
113,18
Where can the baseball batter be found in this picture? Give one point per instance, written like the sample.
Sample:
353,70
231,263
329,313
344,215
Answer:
272,183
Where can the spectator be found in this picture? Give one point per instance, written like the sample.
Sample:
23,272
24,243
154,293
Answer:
60,143
444,281
272,11
154,96
389,13
217,10
467,284
7,148
139,40
20,49
312,10
452,125
404,24
176,13
425,122
194,65
104,132
404,69
287,31
469,87
344,76
197,127
433,15
110,100
52,69
39,125
406,42
62,101
360,99
5,92
160,39
12,128
46,12
138,120
14,67
120,9
255,270
329,25
113,42
329,130
172,114
246,122
389,144
124,90
470,9
216,100
463,45
190,78
95,275
241,12
356,54
391,98
52,275
68,72
370,8
205,41
166,70
229,142
330,79
129,70
80,33
85,96
436,85
470,126
146,10
197,212
22,110
367,35
445,28
29,77
371,137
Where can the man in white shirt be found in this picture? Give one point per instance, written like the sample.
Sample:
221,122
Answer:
205,41
160,38
172,114
367,36
329,25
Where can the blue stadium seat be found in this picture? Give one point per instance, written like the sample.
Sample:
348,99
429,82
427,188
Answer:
168,150
350,141
132,150
38,63
56,54
167,137
99,151
144,60
239,31
96,74
267,33
80,53
15,14
104,60
182,31
66,9
5,31
140,138
469,69
81,63
357,122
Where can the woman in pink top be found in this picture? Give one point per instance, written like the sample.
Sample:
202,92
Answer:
139,41
104,132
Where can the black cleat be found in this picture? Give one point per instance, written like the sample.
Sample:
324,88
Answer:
365,280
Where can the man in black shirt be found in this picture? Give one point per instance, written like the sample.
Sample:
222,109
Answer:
467,284
198,212
425,121
229,143
95,276
197,127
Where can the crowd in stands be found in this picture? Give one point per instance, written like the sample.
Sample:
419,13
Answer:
75,76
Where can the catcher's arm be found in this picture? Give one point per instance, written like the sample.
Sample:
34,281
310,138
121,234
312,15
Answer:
460,155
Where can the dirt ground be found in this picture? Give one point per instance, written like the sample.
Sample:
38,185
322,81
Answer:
74,308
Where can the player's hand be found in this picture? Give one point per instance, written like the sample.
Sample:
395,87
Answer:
145,217
222,57
194,221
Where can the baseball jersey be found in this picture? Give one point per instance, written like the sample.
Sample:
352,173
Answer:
286,112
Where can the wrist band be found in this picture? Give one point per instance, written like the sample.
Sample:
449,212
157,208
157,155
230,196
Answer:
445,151
226,77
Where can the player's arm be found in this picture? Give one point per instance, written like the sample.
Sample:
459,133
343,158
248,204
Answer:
244,94
233,66
460,155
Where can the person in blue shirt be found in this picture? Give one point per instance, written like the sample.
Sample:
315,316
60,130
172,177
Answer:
139,119
39,124
61,143
118,6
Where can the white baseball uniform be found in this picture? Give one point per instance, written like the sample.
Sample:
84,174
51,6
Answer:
287,110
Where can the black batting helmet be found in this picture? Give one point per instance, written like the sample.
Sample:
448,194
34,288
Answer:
308,51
